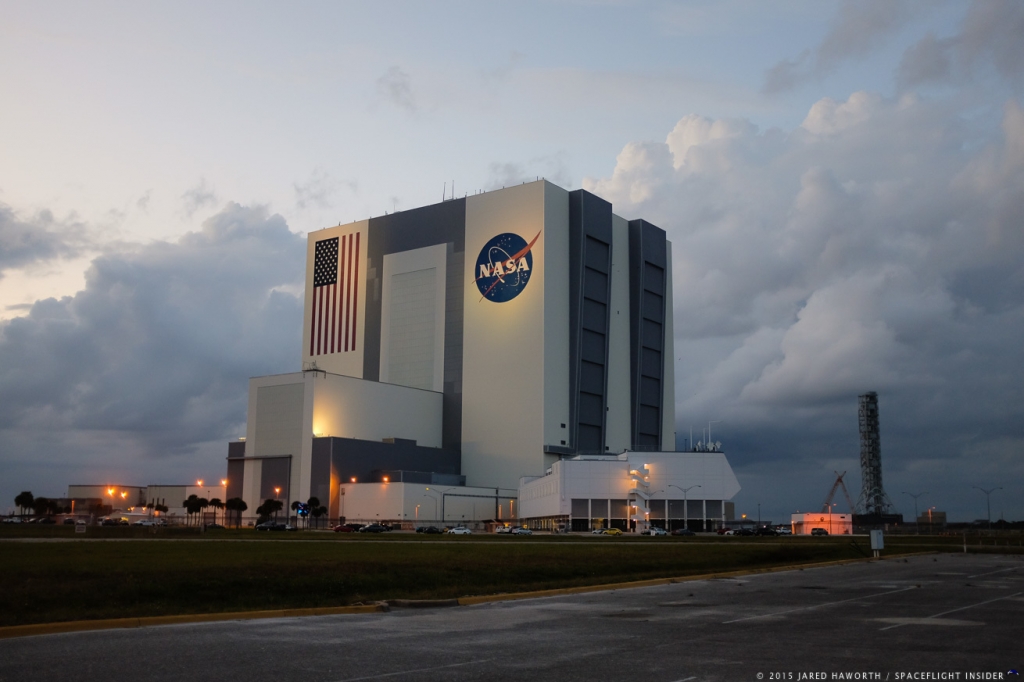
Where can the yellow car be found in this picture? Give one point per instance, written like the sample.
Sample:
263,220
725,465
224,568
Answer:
612,531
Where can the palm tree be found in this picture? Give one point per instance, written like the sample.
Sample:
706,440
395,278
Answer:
191,506
217,504
24,501
237,505
317,512
203,504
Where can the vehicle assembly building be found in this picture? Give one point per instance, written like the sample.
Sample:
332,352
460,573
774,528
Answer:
453,351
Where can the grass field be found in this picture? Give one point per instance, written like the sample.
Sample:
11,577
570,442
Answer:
128,572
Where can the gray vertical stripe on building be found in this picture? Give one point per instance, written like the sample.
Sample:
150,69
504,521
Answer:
590,267
647,262
443,223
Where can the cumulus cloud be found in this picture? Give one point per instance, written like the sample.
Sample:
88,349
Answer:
37,239
877,246
151,360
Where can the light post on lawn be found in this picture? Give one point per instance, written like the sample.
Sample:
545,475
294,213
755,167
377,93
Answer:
686,511
988,502
917,526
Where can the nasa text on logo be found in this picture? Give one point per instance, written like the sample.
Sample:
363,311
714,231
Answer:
503,267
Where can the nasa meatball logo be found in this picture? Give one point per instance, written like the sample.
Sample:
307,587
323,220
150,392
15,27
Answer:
504,266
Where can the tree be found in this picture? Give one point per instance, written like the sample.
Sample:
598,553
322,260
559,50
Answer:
317,512
191,506
24,501
40,505
237,505
269,507
203,505
311,505
217,504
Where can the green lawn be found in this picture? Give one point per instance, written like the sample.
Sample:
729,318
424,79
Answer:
242,570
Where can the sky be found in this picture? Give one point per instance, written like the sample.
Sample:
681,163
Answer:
842,182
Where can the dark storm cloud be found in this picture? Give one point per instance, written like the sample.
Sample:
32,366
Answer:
159,346
879,246
40,238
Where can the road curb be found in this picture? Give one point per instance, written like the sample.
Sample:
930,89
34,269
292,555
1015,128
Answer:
536,594
149,621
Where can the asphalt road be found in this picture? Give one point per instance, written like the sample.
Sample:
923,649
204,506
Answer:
927,617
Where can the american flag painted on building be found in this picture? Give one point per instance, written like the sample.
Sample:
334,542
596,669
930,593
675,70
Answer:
335,296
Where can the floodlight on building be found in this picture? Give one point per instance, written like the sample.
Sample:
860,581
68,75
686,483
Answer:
385,479
353,479
199,482
224,482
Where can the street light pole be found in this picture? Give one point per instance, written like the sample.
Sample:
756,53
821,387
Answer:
988,502
686,511
916,525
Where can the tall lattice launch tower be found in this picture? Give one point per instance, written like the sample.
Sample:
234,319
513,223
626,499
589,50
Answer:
873,499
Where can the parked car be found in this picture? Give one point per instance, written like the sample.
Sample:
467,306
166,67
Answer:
373,528
611,531
47,520
683,531
522,531
460,530
766,531
503,529
149,522
597,531
345,528
271,525
209,526
69,521
743,531
432,530
819,531
784,530
12,519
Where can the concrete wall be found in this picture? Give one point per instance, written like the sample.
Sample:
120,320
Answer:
368,502
504,354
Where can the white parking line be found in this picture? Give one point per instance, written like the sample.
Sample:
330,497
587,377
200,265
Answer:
962,608
417,670
1001,570
815,606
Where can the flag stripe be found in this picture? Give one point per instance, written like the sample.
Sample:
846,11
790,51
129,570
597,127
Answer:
335,303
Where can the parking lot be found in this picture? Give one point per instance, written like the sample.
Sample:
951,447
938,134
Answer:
935,614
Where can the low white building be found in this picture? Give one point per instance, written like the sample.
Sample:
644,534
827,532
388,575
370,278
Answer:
633,490
416,504
833,524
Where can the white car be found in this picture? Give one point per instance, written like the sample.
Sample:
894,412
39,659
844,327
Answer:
461,530
658,531
12,519
597,531
503,529
522,531
144,522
